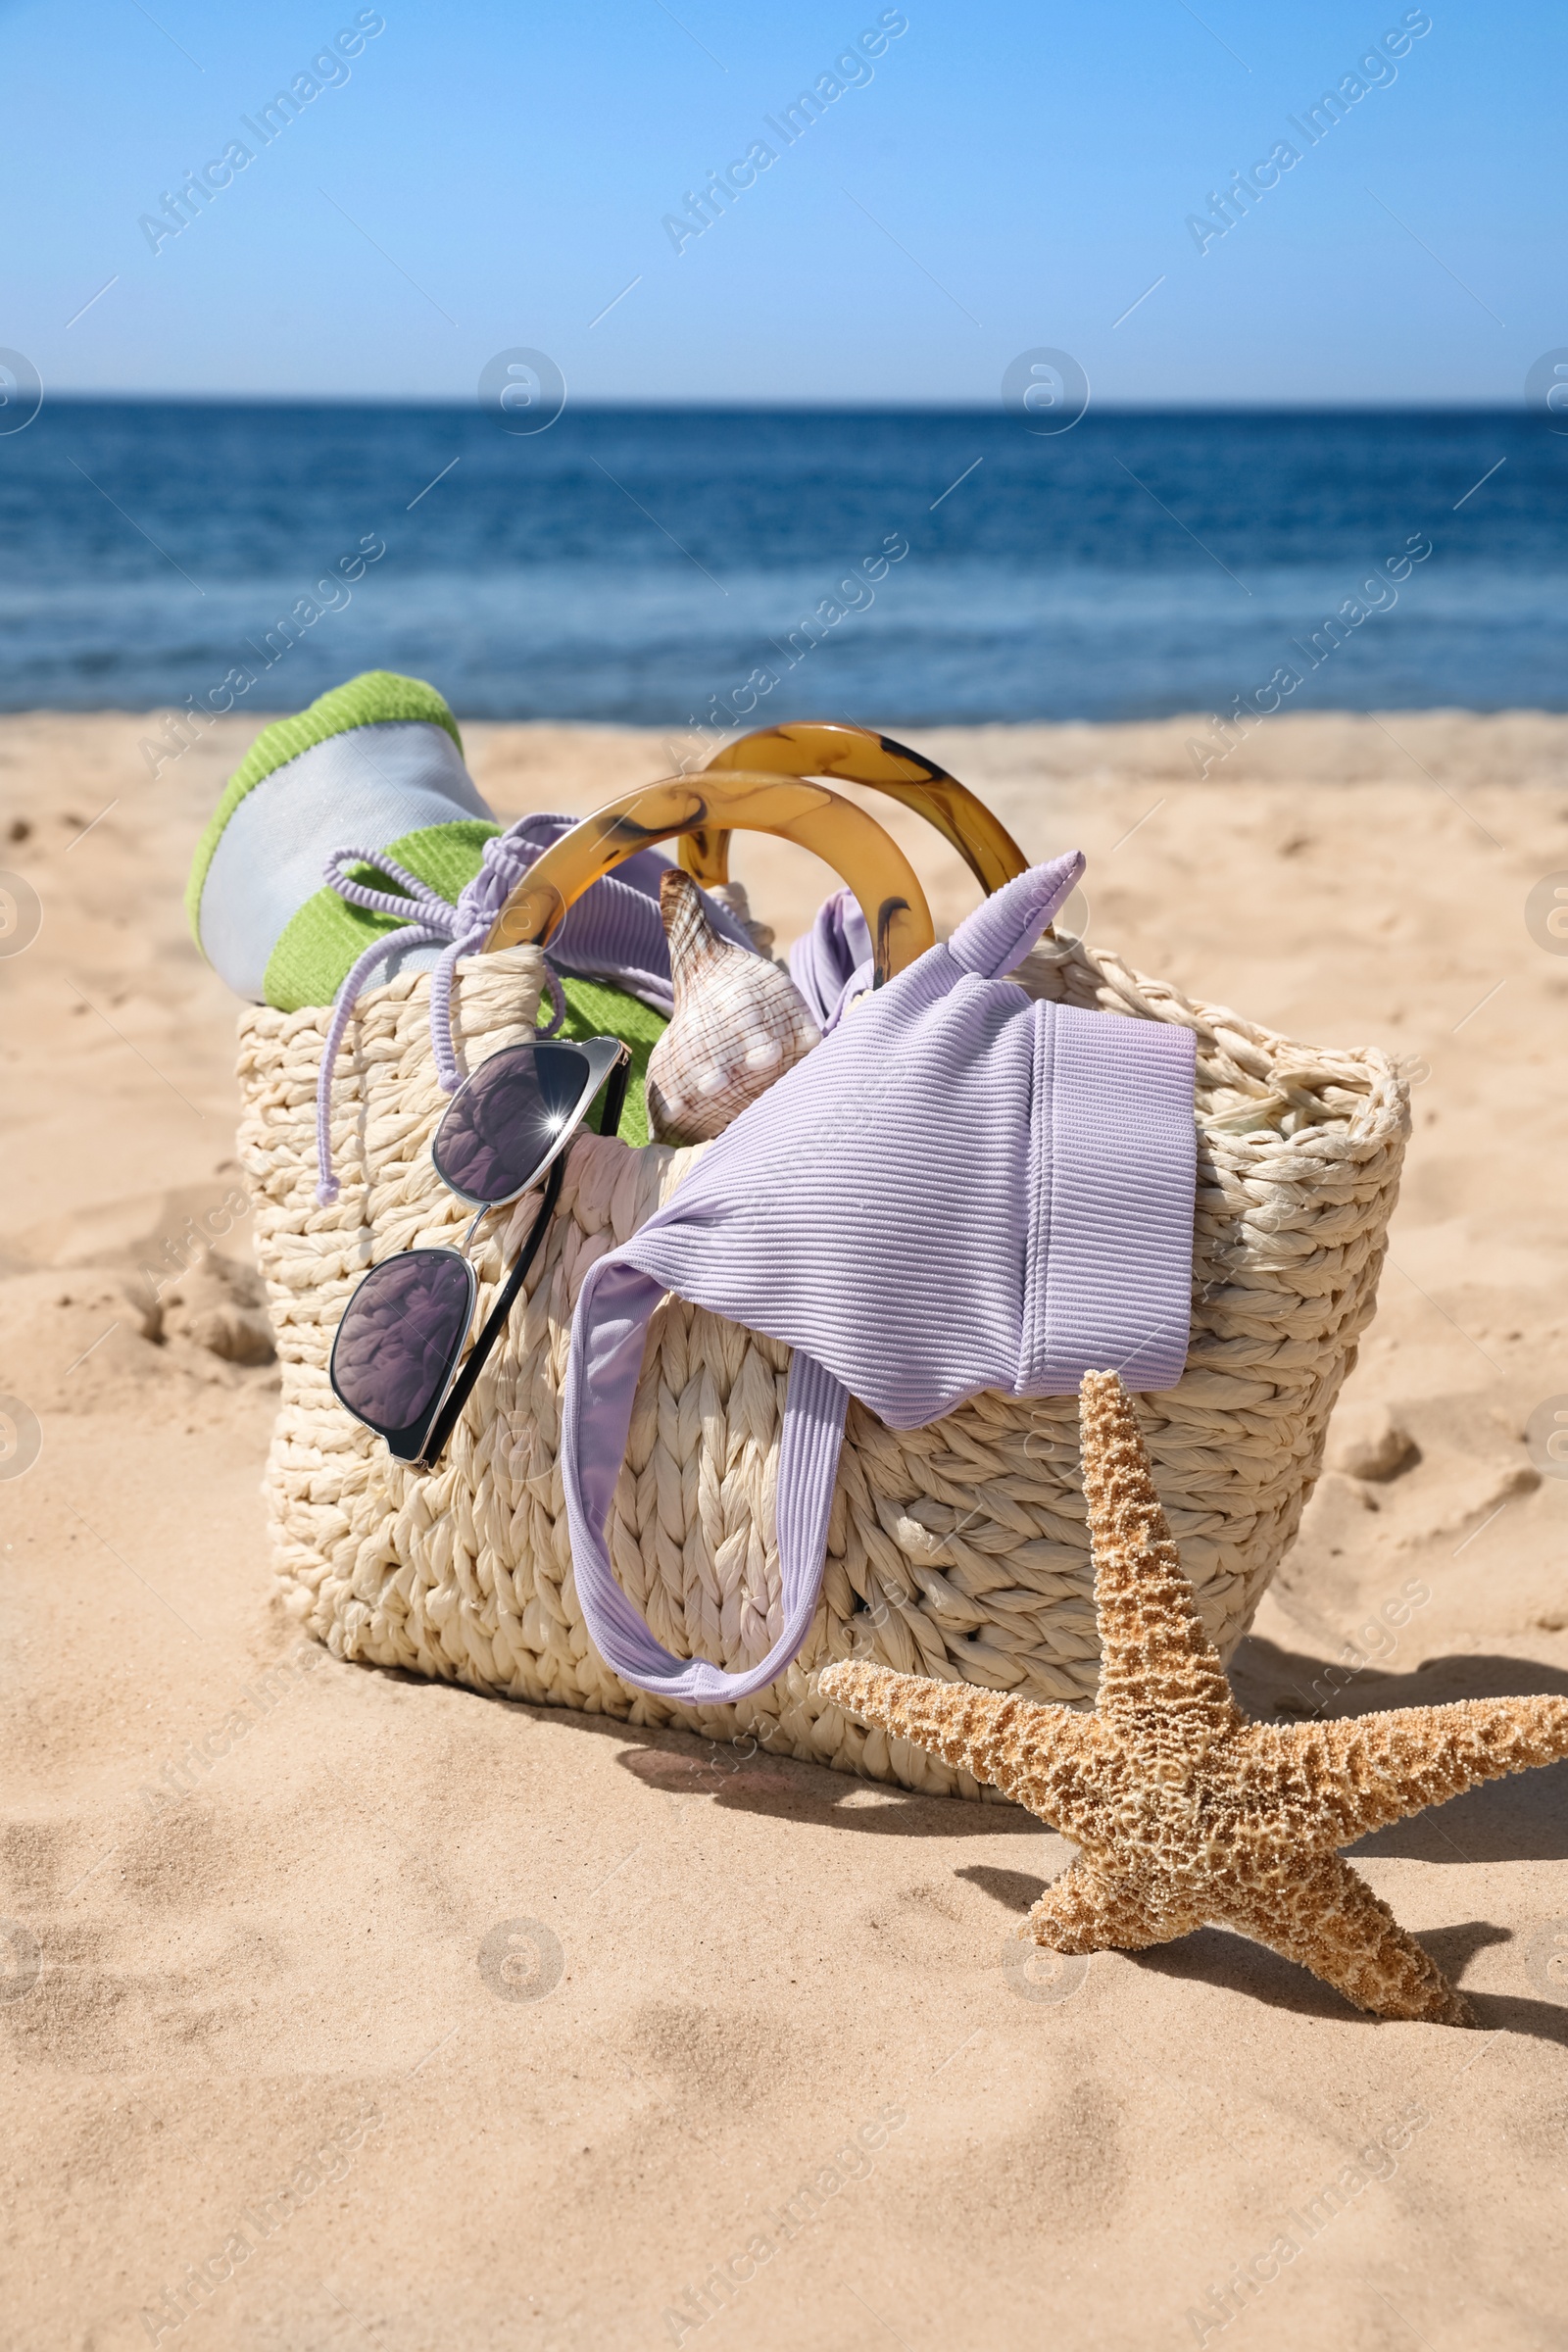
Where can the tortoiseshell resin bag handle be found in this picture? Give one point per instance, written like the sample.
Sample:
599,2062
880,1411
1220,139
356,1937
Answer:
714,806
811,748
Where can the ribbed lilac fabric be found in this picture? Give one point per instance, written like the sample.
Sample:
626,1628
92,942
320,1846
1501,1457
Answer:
959,1189
831,964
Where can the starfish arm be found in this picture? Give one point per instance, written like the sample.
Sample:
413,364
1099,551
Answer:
1016,1744
1153,1652
1328,1918
1088,1910
1375,1769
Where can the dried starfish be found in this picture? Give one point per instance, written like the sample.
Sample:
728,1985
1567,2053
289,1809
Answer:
1187,1812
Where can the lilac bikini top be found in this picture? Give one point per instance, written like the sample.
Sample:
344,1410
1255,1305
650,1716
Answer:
957,1190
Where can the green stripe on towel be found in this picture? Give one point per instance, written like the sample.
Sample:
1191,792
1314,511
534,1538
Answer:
319,945
373,699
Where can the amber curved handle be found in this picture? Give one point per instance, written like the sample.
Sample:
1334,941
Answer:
808,747
853,843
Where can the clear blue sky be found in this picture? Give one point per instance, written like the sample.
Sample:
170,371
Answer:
1010,176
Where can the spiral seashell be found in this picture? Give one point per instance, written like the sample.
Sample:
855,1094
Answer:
739,1023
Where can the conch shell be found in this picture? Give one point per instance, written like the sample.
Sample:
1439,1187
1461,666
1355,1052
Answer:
739,1023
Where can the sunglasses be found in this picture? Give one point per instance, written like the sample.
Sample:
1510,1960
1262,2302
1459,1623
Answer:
397,1351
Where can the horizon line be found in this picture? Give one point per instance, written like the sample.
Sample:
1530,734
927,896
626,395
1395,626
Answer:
677,406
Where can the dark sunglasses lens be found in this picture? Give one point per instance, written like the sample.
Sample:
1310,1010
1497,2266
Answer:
398,1336
508,1118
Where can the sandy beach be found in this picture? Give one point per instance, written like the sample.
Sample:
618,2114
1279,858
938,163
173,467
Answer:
281,1968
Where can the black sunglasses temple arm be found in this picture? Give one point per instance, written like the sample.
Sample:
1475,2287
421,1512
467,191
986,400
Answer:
495,1322
616,1095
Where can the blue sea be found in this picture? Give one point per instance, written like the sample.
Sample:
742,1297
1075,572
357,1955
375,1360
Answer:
731,567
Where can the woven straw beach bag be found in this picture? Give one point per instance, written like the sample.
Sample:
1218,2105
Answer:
959,1550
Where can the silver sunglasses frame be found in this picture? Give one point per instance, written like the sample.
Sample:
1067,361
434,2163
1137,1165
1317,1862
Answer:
603,1055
